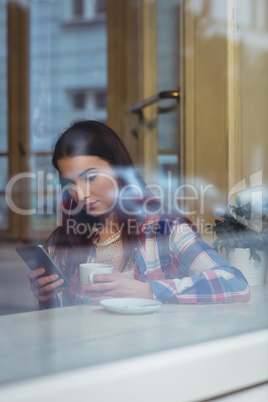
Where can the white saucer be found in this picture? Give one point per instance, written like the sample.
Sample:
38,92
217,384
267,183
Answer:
131,306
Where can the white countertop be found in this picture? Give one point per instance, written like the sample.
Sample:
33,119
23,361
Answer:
51,346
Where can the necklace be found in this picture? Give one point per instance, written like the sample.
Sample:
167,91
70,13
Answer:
116,236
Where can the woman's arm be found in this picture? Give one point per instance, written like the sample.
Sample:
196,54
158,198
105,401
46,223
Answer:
206,277
108,286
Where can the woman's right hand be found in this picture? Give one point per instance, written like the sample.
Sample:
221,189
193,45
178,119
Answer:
44,288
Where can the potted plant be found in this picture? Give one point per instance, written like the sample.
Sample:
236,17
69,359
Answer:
242,232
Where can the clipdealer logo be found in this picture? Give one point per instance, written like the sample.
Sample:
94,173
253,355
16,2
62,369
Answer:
49,197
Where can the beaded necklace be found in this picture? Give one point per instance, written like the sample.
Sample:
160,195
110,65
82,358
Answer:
110,251
110,239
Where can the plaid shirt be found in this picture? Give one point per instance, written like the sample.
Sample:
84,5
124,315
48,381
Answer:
180,266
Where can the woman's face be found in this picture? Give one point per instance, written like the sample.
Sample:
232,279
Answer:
91,182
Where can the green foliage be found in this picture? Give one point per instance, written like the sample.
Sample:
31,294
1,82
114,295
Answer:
242,226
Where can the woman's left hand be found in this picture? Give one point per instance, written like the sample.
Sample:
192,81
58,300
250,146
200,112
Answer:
107,286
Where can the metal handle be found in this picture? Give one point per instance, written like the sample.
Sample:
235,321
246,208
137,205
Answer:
137,108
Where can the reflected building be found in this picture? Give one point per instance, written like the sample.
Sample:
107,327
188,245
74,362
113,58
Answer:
68,66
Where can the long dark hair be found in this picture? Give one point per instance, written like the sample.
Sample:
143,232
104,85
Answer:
90,137
94,138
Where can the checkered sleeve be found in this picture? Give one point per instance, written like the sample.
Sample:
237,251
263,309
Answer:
199,274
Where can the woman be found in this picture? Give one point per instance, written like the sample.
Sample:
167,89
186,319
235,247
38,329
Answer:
109,216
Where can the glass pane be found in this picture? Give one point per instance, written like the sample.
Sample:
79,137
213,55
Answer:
253,86
4,172
3,77
65,60
168,131
78,7
55,341
43,194
68,66
100,6
3,213
168,178
168,70
168,79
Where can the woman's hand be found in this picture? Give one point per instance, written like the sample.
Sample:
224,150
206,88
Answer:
44,288
107,286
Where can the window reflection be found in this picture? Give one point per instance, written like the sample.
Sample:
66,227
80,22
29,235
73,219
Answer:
68,82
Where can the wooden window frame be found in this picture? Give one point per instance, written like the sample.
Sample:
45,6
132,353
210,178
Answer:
132,77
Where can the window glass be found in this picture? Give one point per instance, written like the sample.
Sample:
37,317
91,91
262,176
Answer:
44,191
67,65
101,99
68,81
168,175
168,40
64,60
168,37
100,6
78,7
79,100
4,172
3,212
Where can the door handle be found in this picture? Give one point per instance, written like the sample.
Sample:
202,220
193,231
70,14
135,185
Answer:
138,107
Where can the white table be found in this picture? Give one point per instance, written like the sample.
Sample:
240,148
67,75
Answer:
182,352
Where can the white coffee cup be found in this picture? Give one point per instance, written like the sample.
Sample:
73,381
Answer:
87,271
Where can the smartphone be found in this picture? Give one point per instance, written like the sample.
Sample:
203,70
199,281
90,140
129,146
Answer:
35,256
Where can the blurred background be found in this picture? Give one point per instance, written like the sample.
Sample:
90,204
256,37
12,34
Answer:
184,83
